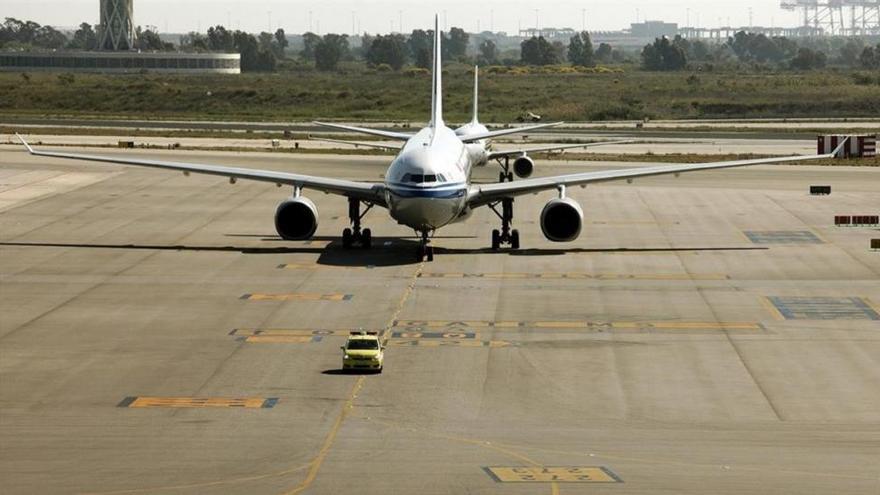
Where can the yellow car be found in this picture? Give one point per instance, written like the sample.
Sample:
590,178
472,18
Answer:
363,351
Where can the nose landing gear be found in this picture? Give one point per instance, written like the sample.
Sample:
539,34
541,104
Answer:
354,235
505,235
425,250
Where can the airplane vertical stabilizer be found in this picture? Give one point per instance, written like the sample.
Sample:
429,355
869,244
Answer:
437,89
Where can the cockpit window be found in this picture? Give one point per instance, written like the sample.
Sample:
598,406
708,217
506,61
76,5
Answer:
420,179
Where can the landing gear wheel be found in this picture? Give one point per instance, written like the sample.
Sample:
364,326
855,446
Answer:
367,239
510,177
502,176
347,238
496,240
429,252
514,239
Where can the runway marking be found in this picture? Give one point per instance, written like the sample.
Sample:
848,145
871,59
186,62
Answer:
316,266
782,237
279,336
280,339
494,344
434,335
824,308
581,276
300,296
595,326
246,332
198,402
542,474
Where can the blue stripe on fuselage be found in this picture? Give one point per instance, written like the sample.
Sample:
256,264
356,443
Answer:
445,191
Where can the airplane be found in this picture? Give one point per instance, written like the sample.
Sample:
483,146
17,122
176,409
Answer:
428,184
523,165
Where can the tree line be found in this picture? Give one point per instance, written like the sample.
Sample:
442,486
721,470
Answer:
20,35
760,50
264,51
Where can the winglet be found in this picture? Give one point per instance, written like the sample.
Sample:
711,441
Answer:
26,145
437,83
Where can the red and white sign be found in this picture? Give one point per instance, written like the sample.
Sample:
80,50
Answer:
858,145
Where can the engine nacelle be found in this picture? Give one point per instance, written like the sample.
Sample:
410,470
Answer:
296,219
523,167
562,220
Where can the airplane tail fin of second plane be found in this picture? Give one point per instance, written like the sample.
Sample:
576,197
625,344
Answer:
437,83
476,117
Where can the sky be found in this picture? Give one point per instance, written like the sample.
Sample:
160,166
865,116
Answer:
382,16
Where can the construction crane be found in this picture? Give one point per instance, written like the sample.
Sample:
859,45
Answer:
831,15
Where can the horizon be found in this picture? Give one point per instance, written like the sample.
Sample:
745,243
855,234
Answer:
381,17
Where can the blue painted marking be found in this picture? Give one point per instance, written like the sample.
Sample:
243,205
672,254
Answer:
126,402
783,237
824,308
317,338
348,297
269,403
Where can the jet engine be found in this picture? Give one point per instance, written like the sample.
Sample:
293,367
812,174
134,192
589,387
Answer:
562,220
523,167
296,219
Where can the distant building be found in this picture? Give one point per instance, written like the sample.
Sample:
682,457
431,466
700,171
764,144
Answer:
653,29
121,62
116,40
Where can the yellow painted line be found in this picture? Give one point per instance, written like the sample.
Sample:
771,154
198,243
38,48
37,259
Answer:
316,266
768,304
198,402
540,474
246,332
583,276
301,296
560,324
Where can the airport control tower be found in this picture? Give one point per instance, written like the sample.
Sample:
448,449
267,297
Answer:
116,32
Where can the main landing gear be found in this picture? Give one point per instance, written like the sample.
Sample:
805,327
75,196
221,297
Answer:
354,235
505,175
425,250
506,235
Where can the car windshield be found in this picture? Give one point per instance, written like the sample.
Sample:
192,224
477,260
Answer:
362,345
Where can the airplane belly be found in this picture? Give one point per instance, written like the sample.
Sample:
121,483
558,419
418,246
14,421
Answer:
423,212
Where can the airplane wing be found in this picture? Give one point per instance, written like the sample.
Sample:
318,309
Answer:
481,194
502,154
372,192
506,132
357,143
398,136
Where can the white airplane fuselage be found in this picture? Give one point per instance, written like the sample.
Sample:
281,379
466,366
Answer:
426,185
478,150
